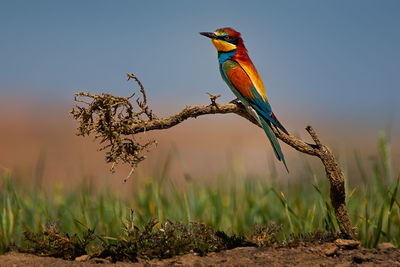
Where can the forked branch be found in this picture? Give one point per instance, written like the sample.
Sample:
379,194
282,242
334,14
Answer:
116,122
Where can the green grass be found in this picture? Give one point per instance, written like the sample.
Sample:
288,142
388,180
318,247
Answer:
233,204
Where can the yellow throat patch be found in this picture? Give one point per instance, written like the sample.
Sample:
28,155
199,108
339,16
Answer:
223,46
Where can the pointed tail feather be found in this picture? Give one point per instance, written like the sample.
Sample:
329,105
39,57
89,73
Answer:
274,141
278,123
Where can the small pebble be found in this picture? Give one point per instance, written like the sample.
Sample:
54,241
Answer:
331,251
82,258
359,258
100,260
347,243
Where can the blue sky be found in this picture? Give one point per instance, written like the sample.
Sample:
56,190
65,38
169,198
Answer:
339,59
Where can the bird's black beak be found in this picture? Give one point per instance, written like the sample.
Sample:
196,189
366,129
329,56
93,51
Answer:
209,35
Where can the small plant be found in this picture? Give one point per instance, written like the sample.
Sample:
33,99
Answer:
50,242
166,240
265,235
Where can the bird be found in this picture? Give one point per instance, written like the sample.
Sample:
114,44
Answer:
239,73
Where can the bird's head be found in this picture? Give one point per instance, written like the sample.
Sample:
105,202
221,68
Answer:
225,39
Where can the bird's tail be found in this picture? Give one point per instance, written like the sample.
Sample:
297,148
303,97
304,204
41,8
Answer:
274,141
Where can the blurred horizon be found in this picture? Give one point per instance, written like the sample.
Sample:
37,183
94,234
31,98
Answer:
333,64
42,147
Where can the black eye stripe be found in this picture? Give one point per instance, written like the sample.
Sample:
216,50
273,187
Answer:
229,39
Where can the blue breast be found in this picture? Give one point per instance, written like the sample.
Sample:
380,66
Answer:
224,56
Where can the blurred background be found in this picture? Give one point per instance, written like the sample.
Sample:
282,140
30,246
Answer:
331,64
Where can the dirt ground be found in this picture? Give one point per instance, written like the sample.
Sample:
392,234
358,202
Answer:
327,254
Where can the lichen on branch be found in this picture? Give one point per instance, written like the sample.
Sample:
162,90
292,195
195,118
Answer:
111,119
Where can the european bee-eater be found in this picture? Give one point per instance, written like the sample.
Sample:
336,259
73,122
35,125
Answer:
241,76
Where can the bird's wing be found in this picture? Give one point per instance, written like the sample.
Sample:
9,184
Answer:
238,80
244,89
251,71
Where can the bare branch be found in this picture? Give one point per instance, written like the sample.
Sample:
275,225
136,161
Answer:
115,122
314,136
213,98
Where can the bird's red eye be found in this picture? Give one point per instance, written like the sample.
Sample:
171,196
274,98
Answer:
229,39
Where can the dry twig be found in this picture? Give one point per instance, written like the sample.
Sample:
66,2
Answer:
113,120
